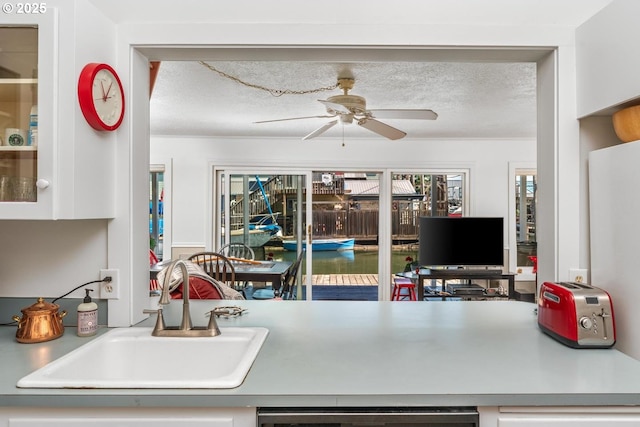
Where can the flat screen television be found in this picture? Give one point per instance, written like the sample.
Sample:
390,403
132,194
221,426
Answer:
461,241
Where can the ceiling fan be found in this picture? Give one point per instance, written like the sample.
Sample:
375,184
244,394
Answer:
348,108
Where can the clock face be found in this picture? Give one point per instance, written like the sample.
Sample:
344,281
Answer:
101,96
107,97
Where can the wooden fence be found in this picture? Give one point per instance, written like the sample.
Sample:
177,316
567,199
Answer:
362,224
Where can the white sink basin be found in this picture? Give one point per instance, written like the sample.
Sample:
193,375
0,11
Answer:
132,358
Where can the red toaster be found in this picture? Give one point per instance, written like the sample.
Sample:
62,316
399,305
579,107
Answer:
576,314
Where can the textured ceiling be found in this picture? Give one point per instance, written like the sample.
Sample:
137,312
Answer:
472,99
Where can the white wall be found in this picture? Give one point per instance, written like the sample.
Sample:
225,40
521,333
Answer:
192,157
49,258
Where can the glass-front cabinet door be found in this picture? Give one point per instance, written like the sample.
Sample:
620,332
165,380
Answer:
28,70
18,113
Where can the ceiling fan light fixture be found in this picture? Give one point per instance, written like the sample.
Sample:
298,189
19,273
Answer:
354,103
346,119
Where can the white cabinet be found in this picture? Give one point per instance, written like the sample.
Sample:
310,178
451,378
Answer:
26,66
128,417
589,416
60,170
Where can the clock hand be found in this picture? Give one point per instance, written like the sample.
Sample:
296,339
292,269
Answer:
108,90
104,95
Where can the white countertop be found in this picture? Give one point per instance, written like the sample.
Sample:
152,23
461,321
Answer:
340,353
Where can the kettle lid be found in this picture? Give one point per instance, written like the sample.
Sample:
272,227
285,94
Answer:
41,307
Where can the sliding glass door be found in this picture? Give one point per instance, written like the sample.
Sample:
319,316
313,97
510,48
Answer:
422,193
345,235
330,218
262,209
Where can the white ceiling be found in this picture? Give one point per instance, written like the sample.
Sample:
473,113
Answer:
477,94
502,12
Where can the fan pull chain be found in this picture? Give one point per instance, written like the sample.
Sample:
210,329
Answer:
273,92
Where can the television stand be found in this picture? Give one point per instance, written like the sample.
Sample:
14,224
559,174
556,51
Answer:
490,272
457,272
462,274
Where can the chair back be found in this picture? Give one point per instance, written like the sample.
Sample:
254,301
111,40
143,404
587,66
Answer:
153,258
217,266
291,277
153,283
237,250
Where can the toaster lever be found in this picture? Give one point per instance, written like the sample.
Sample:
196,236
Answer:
604,324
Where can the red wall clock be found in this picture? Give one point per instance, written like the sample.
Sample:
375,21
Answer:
101,96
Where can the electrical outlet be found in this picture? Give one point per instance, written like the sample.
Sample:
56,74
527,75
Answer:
110,290
578,275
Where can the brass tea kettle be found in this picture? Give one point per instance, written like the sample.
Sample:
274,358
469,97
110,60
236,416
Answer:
40,322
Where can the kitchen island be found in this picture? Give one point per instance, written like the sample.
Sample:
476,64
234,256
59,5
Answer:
341,353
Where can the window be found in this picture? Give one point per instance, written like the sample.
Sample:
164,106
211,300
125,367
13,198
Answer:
156,210
525,215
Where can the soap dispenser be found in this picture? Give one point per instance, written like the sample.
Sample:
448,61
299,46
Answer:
87,316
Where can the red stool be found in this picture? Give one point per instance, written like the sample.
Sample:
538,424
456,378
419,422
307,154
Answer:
534,260
400,284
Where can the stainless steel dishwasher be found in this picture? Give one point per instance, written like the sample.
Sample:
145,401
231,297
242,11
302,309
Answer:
369,417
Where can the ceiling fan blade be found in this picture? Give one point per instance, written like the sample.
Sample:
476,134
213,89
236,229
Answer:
381,128
404,114
338,108
321,130
295,118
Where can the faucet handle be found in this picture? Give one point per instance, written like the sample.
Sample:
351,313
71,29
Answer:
150,311
213,324
228,311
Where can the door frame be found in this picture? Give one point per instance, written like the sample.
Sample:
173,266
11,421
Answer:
214,230
514,168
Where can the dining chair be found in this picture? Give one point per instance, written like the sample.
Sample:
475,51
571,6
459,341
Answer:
153,283
217,266
237,250
288,284
288,288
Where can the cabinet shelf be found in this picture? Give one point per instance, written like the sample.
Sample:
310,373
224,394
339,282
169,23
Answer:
12,81
9,148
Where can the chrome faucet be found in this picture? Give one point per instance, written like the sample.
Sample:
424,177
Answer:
186,328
